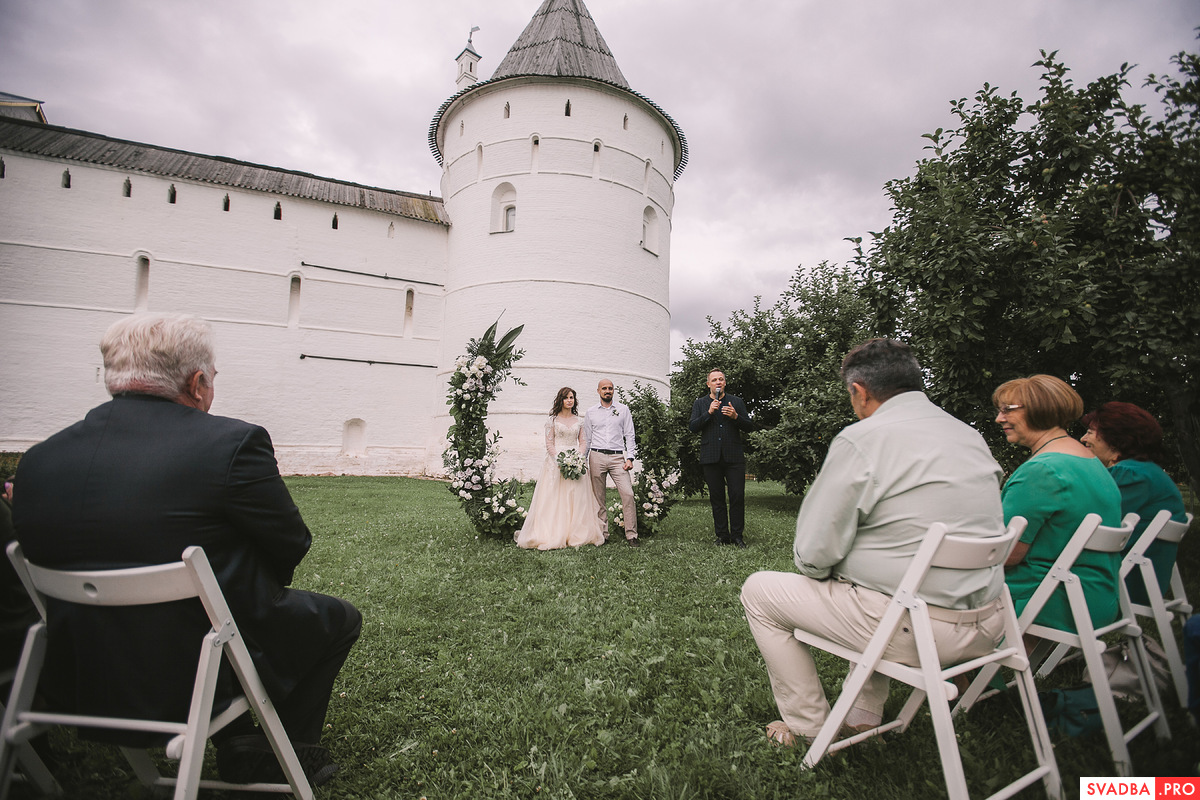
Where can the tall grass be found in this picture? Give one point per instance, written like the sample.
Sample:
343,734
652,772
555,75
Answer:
486,671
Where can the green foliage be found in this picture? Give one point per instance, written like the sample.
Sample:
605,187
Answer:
8,463
470,458
1053,237
654,484
784,363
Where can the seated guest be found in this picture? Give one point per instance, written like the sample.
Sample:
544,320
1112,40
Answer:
1060,484
17,611
904,466
137,481
1128,440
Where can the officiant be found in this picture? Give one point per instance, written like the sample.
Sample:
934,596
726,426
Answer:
720,418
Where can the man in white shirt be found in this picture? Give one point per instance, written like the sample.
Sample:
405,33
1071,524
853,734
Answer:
612,447
904,466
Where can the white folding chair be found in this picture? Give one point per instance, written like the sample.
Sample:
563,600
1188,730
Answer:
33,769
930,679
1161,608
1091,536
188,578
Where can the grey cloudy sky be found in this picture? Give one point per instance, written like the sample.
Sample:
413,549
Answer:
796,111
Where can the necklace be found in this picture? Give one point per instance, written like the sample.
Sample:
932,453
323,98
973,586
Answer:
1048,441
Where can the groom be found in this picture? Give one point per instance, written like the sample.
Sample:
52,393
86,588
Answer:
612,447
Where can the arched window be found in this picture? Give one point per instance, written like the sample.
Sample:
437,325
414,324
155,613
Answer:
1,169
127,189
278,211
354,438
409,296
66,179
462,127
171,194
650,230
391,230
567,113
625,124
225,203
479,162
335,221
596,159
533,154
504,209
507,110
294,302
141,285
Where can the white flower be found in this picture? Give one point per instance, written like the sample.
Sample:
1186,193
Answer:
511,503
520,509
464,495
646,506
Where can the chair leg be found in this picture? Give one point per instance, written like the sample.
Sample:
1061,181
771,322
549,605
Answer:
1108,711
1174,659
1039,734
1150,693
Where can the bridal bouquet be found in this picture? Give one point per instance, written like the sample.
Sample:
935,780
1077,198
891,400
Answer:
572,464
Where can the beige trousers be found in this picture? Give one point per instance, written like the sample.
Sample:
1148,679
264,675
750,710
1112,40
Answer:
601,465
777,603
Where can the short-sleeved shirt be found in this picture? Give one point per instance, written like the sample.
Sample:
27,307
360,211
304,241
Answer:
1054,492
1145,490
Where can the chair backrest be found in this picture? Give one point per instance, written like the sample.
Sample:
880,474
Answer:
955,551
974,552
1173,532
161,583
1090,535
1107,539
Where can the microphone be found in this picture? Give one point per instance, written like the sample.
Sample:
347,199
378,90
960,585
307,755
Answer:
720,395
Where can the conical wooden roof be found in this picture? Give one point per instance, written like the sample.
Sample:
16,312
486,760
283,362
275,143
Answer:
562,41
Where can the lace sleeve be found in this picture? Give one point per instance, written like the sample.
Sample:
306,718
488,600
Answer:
550,437
583,444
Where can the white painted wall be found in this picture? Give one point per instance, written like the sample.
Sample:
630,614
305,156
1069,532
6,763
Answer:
69,268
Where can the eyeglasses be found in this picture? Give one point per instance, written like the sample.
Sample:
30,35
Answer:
1008,409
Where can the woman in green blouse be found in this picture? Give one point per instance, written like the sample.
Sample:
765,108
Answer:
1128,440
1060,484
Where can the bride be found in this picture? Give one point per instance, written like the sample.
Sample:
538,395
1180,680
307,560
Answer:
563,511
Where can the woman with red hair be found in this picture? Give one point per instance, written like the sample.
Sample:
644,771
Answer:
1129,441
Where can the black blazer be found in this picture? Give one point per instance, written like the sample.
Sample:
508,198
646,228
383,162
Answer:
135,483
720,437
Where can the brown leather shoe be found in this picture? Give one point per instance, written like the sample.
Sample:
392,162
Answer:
633,543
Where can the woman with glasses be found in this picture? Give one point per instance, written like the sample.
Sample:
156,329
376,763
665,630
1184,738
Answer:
1060,484
1129,442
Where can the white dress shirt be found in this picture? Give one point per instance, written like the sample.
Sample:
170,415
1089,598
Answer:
610,429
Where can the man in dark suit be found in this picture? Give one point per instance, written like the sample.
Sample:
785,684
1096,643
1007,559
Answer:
141,478
720,418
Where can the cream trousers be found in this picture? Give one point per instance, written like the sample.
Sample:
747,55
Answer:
777,603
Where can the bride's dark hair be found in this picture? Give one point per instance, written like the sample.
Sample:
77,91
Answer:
560,397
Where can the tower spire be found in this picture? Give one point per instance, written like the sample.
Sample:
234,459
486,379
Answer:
562,41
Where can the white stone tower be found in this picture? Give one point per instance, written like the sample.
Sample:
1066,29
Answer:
558,181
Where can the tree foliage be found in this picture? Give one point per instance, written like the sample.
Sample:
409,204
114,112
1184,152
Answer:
783,361
1057,236
655,483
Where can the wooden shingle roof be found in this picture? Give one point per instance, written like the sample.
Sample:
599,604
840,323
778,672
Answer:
91,148
562,41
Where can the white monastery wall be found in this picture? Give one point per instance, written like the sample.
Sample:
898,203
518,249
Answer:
73,260
575,270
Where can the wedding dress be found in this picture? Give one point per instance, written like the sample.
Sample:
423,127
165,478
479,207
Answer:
562,512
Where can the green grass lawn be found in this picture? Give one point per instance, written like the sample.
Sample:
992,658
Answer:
486,671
